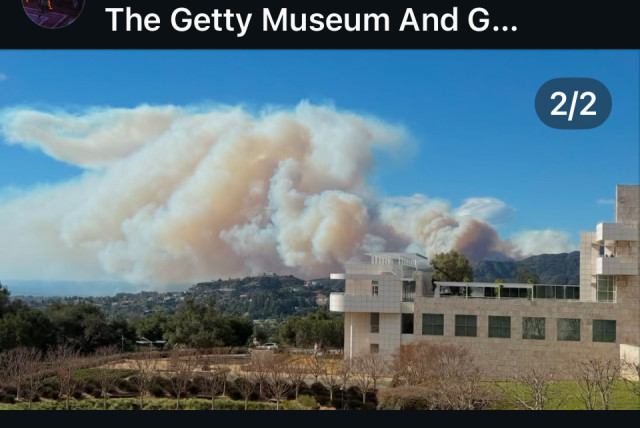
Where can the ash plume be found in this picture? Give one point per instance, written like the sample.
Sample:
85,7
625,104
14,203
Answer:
173,194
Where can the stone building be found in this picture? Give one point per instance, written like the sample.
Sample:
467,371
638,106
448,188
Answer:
392,301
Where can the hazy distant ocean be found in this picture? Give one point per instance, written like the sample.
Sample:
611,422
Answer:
77,288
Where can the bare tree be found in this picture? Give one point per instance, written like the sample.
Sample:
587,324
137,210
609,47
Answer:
596,381
246,384
533,389
215,379
261,362
16,363
315,367
296,374
107,374
65,361
277,385
344,373
411,363
633,385
455,379
34,375
182,364
330,378
360,375
376,367
146,366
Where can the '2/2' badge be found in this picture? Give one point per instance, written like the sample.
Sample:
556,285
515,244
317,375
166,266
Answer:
573,103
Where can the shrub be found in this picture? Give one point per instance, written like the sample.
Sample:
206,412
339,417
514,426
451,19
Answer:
156,390
308,402
292,405
128,386
5,397
404,398
48,391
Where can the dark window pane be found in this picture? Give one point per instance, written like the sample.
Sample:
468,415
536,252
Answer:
533,328
407,324
568,329
499,326
433,324
604,330
466,325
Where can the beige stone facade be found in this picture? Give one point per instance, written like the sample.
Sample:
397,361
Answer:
388,302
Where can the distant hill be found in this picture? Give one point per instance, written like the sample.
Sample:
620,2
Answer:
258,297
276,296
558,269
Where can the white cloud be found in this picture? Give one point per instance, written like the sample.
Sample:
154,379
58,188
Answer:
491,210
548,241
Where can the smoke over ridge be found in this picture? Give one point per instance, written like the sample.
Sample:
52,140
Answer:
174,194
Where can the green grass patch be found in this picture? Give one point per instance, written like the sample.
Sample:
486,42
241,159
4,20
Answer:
567,395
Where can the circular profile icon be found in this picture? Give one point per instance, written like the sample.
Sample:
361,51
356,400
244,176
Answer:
53,13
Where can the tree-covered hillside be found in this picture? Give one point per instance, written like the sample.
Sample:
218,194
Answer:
558,269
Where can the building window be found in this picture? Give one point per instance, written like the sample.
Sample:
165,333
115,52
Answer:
374,290
500,327
606,288
374,282
375,322
408,291
533,328
604,330
433,324
568,329
466,325
407,324
374,348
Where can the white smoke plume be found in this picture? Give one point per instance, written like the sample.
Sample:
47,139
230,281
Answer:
172,194
547,241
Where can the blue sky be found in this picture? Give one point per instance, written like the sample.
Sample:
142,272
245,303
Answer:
470,115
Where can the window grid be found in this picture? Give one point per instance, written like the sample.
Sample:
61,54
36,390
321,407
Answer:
375,322
533,328
568,329
604,331
466,325
606,288
433,324
500,326
408,291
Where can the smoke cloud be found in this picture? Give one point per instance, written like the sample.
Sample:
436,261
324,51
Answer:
172,194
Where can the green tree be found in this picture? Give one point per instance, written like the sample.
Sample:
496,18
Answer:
26,327
317,327
452,266
5,301
84,327
202,326
153,327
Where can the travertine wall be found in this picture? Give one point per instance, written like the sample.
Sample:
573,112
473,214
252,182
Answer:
627,203
588,257
500,357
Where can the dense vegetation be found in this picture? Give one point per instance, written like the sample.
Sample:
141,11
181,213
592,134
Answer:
267,296
84,327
